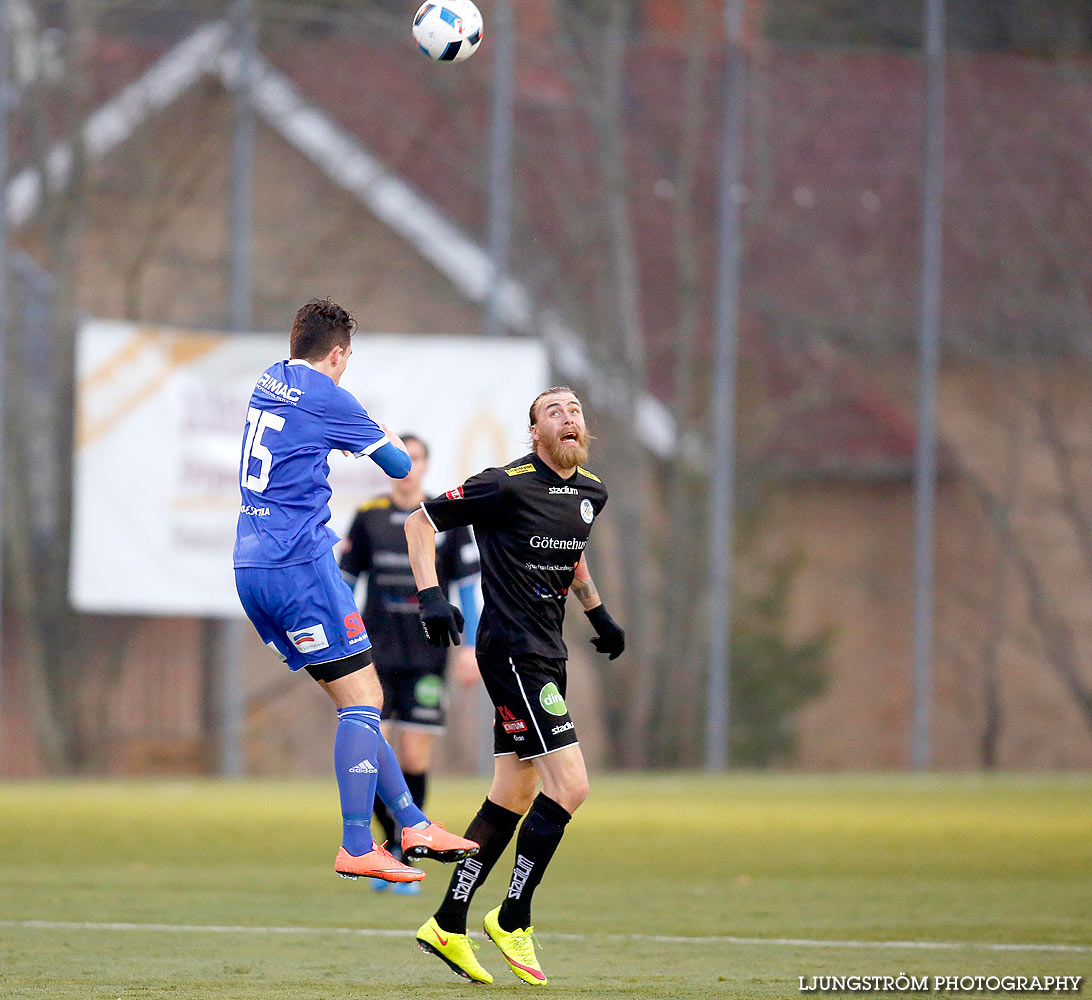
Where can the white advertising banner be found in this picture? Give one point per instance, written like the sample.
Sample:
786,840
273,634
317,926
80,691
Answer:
159,423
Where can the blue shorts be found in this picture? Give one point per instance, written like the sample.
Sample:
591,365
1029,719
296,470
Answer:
306,613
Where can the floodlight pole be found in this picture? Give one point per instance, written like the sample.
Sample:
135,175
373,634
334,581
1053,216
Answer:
925,473
3,316
500,163
242,168
722,476
502,39
229,651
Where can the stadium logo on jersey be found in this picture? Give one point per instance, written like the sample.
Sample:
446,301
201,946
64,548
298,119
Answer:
564,489
563,728
455,494
550,699
309,640
587,511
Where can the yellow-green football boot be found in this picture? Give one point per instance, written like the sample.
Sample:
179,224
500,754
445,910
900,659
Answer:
456,950
518,949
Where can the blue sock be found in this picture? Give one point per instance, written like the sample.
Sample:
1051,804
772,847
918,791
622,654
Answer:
357,765
392,788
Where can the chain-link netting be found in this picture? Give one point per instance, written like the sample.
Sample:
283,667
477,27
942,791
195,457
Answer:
375,180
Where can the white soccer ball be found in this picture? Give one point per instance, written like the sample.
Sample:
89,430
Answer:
448,30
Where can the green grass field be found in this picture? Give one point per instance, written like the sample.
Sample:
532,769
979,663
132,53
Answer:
665,886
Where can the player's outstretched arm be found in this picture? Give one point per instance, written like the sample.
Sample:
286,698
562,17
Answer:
442,621
394,438
609,636
391,456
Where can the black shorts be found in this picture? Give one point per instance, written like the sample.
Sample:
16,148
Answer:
413,698
528,693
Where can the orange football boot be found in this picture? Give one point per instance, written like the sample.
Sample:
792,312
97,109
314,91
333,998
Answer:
435,842
377,863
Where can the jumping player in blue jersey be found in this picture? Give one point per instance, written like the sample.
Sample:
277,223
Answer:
412,672
292,590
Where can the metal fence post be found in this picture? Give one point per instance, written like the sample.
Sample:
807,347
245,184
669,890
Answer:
722,484
3,314
230,631
925,474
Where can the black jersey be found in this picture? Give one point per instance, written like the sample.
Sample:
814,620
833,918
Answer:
531,527
376,545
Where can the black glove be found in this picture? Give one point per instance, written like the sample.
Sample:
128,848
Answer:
609,637
442,621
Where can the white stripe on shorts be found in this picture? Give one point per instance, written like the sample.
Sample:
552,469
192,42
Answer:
530,711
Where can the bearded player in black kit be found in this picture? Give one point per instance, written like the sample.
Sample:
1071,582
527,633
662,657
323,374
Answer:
531,520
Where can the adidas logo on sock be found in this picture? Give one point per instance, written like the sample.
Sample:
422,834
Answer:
364,767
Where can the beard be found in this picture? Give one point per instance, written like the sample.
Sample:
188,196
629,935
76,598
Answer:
567,454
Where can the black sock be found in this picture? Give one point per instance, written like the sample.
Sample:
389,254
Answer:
492,828
416,784
386,820
538,838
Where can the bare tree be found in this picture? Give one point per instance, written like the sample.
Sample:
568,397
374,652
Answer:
41,434
1064,506
678,664
598,34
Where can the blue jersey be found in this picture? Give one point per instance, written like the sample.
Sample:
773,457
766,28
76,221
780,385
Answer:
296,416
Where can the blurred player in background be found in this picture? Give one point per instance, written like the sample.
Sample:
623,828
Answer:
410,670
531,520
292,591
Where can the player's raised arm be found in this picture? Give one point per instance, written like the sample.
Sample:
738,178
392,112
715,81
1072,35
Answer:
390,455
609,636
394,438
441,620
